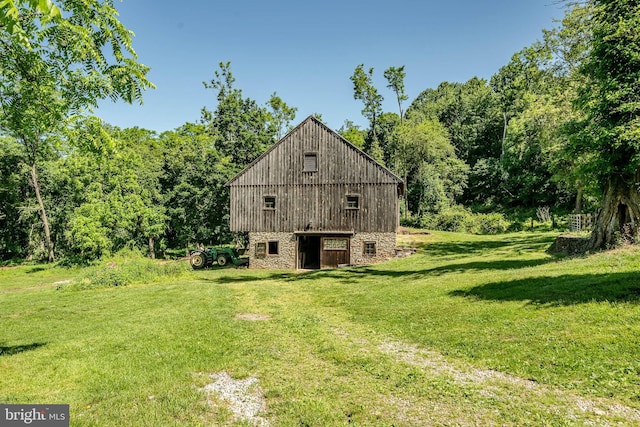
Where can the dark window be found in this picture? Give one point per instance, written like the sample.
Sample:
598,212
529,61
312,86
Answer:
310,162
273,248
269,202
369,248
353,202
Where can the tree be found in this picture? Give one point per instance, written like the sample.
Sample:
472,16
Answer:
365,91
352,133
239,125
111,188
280,115
10,16
427,163
610,98
52,68
193,185
395,77
13,194
567,161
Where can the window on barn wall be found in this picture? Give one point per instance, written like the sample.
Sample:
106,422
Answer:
335,244
353,201
269,202
273,248
369,248
310,162
261,249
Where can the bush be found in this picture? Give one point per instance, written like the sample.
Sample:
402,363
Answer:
454,218
126,268
491,223
460,219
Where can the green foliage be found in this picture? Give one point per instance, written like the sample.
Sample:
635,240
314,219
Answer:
193,181
469,112
459,219
57,63
281,115
353,134
14,237
125,268
242,129
365,91
395,77
10,16
426,160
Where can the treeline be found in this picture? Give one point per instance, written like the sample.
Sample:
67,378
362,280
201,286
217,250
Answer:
495,145
107,188
556,127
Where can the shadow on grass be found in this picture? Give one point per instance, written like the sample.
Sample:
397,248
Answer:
458,249
516,244
561,290
258,277
454,268
16,349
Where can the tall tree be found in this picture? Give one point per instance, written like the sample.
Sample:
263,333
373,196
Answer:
365,91
395,77
54,67
193,184
239,125
611,100
427,163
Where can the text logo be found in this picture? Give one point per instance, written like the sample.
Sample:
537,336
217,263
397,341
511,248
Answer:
34,415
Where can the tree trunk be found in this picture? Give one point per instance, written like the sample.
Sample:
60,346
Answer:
618,217
43,213
406,198
504,134
152,249
578,209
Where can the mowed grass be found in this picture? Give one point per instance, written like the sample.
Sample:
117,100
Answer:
471,330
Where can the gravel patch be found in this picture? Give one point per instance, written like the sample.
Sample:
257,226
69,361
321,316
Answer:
433,361
244,397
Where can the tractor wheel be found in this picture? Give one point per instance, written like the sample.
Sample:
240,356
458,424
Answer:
198,260
222,260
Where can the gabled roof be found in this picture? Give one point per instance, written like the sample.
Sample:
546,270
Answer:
316,121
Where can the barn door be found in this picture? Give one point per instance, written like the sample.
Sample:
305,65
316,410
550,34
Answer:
335,251
308,252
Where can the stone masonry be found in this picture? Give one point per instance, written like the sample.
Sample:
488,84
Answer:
286,259
385,247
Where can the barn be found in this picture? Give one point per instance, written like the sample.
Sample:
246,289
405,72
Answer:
314,200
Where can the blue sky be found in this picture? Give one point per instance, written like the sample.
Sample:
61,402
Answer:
306,51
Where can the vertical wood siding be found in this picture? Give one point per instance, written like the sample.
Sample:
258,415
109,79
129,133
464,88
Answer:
314,201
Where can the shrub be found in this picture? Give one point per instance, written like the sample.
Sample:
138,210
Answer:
491,223
454,218
460,219
126,268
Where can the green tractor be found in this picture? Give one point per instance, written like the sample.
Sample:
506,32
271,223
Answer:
202,258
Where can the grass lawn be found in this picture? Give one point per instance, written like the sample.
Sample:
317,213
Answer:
471,330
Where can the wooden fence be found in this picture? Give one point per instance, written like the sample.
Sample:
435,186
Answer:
582,222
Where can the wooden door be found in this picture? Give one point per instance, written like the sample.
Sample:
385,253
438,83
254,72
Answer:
335,251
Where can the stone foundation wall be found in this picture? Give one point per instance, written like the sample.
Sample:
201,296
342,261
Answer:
284,260
385,247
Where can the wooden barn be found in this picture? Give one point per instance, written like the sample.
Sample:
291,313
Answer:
314,200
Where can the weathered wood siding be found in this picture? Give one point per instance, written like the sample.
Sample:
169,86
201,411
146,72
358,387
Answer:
314,201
